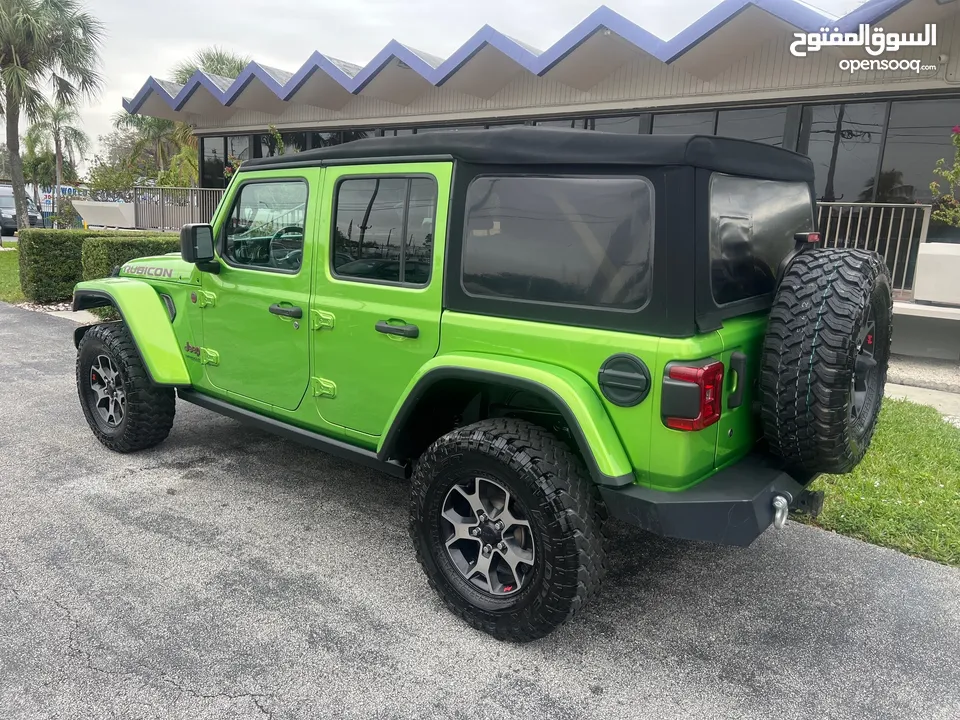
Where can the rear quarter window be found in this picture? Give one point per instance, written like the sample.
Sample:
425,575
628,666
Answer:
752,224
580,241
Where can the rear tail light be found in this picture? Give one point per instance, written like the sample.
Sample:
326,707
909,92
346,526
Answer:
709,380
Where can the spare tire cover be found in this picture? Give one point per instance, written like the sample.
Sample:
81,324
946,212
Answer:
825,357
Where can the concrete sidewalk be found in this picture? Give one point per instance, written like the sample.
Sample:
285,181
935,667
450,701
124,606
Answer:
947,403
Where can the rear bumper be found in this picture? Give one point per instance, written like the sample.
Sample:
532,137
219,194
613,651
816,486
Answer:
732,507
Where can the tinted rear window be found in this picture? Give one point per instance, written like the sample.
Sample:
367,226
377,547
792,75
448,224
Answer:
752,224
582,241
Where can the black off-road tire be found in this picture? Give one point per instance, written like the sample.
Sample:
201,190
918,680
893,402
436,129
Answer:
563,507
810,355
149,410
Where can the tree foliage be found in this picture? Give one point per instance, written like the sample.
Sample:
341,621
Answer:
162,150
946,206
214,60
44,43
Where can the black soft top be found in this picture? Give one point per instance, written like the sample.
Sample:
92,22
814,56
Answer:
552,146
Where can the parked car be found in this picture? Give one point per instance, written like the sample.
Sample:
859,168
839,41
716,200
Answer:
595,325
8,211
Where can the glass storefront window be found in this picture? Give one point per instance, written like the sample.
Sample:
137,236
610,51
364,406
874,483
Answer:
238,146
699,123
325,139
559,123
764,125
351,135
214,153
627,124
844,143
453,128
918,136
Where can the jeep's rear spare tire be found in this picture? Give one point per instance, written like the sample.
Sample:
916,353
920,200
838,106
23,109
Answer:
825,359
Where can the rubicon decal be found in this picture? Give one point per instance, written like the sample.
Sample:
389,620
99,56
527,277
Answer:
149,270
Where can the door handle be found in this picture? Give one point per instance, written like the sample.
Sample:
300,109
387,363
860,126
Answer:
293,312
738,363
410,331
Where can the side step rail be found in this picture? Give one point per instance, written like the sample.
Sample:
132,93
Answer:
317,441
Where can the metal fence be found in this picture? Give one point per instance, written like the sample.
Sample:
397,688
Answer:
170,208
895,231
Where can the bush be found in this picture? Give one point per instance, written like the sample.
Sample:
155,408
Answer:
51,261
102,254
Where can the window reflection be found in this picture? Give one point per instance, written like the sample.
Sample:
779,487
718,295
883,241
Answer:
699,123
213,149
752,224
763,125
265,227
557,123
370,229
238,146
844,143
629,124
571,241
919,134
454,128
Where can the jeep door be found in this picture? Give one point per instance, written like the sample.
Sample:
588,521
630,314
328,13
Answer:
256,342
378,295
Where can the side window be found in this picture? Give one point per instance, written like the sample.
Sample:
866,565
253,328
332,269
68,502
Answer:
752,224
584,241
265,227
383,229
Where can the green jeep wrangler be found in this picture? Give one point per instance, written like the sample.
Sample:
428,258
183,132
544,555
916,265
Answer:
540,328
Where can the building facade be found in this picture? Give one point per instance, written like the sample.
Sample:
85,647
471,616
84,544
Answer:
875,131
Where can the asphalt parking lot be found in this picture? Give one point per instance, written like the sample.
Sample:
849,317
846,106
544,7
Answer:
228,574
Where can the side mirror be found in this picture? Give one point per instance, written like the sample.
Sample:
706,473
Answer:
196,243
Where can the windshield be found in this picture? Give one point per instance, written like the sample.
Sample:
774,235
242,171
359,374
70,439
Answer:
6,203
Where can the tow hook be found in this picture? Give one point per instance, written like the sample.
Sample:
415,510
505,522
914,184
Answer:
781,508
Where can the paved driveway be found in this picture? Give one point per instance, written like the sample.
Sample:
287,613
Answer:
227,574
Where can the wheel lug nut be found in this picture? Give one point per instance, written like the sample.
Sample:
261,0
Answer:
487,549
475,531
499,526
482,516
501,546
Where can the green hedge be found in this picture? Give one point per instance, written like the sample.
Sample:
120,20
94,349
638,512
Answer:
102,254
51,261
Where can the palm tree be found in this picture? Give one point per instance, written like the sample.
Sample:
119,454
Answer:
36,144
214,60
43,41
165,137
60,122
153,133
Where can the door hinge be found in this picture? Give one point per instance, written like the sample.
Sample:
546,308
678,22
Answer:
206,299
320,319
209,357
324,388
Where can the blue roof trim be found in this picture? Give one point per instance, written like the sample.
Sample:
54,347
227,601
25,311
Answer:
791,12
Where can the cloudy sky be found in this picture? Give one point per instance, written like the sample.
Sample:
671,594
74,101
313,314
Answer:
148,37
